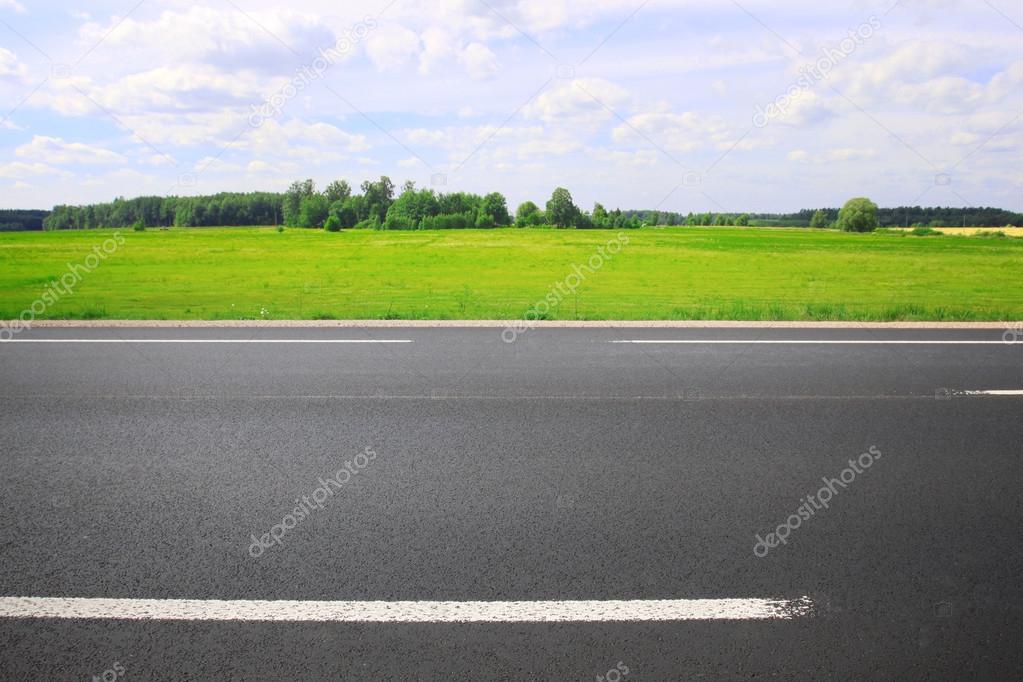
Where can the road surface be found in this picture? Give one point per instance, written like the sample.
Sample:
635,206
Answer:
573,505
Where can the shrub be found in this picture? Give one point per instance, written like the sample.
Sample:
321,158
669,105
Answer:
139,226
398,222
858,215
925,232
332,224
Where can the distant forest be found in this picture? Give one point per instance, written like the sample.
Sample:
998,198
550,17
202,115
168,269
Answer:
17,221
380,206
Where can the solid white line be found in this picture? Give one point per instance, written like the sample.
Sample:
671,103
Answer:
406,611
208,341
993,393
834,342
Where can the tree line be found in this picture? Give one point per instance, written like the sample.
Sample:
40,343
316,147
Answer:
17,221
900,216
380,205
217,210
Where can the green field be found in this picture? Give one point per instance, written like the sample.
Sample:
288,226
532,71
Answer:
671,273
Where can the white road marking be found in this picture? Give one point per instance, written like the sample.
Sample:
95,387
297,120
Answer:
825,342
1002,393
406,611
207,341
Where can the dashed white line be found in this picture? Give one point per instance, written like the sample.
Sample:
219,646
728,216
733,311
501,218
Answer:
406,611
998,393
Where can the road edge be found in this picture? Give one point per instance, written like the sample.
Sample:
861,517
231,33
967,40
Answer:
499,324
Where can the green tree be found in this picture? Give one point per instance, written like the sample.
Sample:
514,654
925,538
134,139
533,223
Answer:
742,220
495,206
312,211
528,214
344,211
339,190
378,196
561,210
858,215
332,224
819,219
293,200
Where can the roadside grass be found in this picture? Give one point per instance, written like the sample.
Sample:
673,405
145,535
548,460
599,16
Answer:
664,273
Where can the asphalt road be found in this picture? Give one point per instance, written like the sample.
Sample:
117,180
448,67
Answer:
563,466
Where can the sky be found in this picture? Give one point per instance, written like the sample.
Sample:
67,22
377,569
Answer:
681,105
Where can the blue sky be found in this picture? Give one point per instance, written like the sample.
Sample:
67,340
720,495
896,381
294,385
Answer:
682,105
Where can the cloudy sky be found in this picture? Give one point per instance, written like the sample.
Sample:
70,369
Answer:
684,105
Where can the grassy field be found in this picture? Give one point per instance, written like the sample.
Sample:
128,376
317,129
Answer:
673,273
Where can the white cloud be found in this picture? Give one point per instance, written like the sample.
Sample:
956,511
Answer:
223,36
13,5
19,169
582,101
10,67
391,46
837,155
56,151
677,132
479,61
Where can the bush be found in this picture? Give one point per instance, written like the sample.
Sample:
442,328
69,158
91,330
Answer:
449,221
139,226
332,224
925,232
819,219
398,222
858,215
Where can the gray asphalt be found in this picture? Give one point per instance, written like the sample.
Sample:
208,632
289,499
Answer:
561,466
